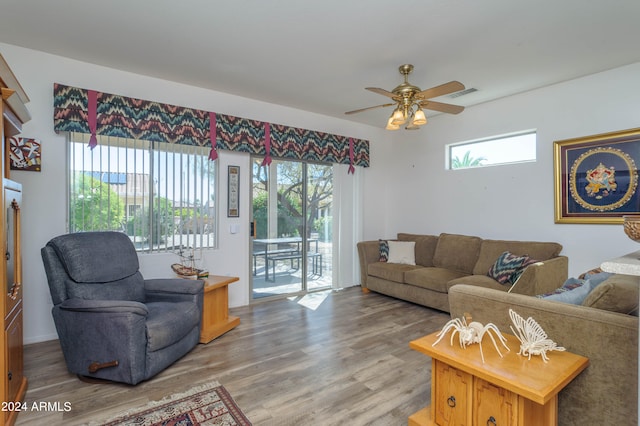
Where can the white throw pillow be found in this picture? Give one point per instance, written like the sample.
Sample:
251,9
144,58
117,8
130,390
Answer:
402,252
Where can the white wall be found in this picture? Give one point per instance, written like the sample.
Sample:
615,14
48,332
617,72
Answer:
44,201
509,202
406,188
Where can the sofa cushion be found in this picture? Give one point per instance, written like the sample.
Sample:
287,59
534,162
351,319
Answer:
491,249
504,269
390,271
457,252
618,293
425,247
479,281
435,279
402,252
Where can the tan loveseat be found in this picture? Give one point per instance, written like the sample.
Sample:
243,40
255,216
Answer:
606,393
448,259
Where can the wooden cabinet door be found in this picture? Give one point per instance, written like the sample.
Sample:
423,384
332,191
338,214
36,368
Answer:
493,405
15,362
12,255
452,395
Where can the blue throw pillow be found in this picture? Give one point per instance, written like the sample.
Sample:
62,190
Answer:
574,290
597,277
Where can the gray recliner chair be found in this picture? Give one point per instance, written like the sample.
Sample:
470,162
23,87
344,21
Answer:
112,323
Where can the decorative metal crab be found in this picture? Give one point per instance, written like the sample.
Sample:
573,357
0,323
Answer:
470,332
533,339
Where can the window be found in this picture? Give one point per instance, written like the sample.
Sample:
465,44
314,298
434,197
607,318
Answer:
497,150
162,195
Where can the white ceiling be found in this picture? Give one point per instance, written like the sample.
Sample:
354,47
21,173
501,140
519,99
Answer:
319,56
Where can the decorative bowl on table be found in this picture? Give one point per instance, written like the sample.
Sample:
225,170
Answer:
632,227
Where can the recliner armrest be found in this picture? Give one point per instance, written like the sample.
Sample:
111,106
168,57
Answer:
103,331
173,289
104,306
173,285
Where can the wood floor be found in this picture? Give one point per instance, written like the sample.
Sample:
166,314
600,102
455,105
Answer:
346,361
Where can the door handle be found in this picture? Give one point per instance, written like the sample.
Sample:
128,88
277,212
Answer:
451,401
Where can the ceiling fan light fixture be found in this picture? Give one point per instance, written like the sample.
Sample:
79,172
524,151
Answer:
398,118
410,101
390,125
419,119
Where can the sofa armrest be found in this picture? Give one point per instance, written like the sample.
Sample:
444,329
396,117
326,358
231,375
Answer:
368,252
543,277
608,339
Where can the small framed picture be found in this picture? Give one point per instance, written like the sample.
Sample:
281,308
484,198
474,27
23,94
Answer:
24,154
596,177
233,185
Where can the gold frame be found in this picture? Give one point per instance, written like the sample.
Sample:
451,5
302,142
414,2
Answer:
613,198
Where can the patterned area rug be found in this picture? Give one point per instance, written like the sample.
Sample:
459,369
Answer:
205,405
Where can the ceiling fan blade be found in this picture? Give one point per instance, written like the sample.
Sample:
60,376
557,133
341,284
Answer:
439,106
368,108
382,92
443,89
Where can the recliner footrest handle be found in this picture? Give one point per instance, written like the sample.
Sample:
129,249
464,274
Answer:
95,366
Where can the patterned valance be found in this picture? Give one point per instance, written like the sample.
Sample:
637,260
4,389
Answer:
93,112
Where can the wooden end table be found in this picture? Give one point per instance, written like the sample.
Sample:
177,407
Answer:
512,390
215,308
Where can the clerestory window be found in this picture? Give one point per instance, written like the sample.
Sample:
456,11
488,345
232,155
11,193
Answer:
493,151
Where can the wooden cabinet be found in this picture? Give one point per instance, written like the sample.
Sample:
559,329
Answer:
511,390
462,399
13,383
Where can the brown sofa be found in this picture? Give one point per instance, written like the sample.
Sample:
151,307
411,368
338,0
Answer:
448,259
606,393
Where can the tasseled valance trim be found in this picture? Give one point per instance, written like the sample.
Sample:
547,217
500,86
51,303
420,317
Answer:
120,116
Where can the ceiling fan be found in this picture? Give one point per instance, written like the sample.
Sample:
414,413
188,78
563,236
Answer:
410,101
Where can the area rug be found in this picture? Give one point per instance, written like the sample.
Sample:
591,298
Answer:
206,405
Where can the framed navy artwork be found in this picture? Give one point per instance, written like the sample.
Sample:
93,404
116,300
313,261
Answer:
596,177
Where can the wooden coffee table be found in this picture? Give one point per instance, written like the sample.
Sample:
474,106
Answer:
215,308
510,390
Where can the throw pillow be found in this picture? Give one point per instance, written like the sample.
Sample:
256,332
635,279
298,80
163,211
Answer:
527,262
619,293
504,268
593,271
573,291
384,250
576,290
402,252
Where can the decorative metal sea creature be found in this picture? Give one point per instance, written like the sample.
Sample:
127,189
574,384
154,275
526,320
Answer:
470,332
533,339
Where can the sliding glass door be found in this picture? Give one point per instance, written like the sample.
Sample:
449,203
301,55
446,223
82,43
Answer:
292,214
